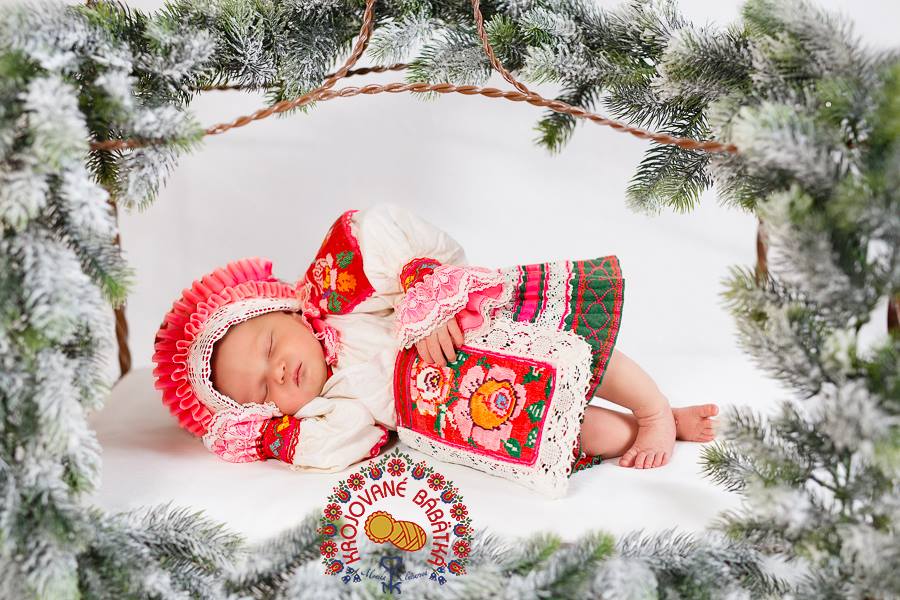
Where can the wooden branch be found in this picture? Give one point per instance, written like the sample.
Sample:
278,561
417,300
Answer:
893,316
121,322
762,269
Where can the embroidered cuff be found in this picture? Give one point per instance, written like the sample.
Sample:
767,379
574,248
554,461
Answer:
415,271
279,438
443,293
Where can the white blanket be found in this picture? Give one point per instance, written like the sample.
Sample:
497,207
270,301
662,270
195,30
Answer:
148,459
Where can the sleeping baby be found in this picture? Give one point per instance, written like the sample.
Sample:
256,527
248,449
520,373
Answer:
390,327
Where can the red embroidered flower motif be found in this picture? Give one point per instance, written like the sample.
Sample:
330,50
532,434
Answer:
489,402
436,481
456,567
356,481
333,282
420,470
322,271
323,277
396,466
459,511
336,566
328,549
333,512
431,386
448,495
461,548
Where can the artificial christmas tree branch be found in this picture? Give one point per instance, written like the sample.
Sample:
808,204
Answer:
816,118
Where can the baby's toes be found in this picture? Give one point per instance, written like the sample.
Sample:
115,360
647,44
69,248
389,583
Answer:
644,460
709,410
627,459
638,462
658,460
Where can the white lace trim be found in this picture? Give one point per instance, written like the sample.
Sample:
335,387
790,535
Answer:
559,276
570,354
473,280
234,441
215,327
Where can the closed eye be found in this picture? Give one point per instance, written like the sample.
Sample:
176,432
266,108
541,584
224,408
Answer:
268,354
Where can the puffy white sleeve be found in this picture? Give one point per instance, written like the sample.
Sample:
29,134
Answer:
422,273
326,435
334,434
391,236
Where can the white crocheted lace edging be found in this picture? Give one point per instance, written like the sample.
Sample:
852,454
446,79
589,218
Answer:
570,354
215,328
221,421
447,308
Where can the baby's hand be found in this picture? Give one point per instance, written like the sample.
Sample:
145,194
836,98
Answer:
441,344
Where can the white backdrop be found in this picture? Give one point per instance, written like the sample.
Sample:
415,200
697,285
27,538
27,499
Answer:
469,165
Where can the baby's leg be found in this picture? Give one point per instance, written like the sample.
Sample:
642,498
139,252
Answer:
609,433
626,384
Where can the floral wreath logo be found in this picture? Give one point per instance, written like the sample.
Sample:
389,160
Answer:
352,511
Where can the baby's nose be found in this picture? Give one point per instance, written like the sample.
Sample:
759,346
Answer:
279,371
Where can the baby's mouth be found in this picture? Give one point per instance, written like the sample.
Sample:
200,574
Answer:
297,375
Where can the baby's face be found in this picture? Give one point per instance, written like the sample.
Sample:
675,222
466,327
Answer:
270,358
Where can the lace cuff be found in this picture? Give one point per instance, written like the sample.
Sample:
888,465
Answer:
236,435
336,434
444,291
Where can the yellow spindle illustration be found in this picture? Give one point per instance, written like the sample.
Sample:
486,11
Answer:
406,535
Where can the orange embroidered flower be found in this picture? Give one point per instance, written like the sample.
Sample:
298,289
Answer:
489,403
346,282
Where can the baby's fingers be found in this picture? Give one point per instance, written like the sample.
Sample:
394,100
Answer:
424,354
434,347
456,333
446,344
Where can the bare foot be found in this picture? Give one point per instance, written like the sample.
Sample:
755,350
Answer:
654,442
694,423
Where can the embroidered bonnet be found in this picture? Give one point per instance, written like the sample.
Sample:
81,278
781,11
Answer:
241,290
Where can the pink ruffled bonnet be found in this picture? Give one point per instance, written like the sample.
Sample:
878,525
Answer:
200,317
